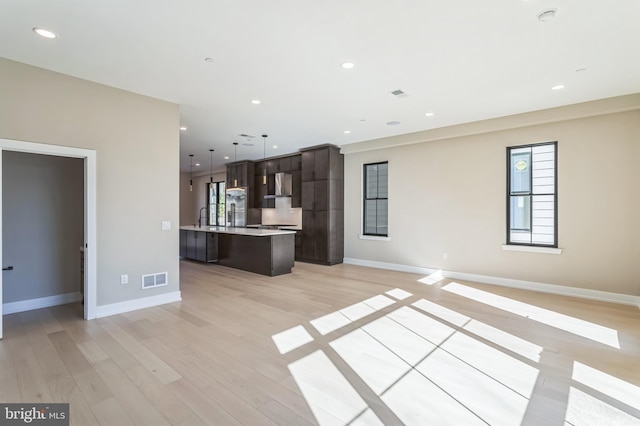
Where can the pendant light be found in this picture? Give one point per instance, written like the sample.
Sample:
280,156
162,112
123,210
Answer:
264,158
211,178
235,158
191,178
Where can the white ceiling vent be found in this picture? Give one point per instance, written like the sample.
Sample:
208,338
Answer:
154,280
399,93
244,135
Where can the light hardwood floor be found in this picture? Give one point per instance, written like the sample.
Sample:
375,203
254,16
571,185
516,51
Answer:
331,345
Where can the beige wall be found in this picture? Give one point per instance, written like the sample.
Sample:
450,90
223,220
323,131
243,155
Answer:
136,139
192,201
448,195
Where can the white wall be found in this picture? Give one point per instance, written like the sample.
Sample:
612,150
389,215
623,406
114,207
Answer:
42,225
447,194
136,139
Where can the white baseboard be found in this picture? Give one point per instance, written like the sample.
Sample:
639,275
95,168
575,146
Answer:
41,302
390,266
603,296
132,305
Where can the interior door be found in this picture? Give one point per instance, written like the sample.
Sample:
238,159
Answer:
90,219
1,258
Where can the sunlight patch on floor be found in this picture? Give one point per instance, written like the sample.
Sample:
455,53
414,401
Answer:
368,418
424,326
585,410
501,367
624,392
329,395
440,311
399,293
338,319
485,396
432,365
508,341
291,339
417,401
579,327
433,278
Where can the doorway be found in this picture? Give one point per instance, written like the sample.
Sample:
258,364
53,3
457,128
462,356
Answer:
89,160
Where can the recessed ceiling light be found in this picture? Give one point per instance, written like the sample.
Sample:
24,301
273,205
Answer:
183,128
428,114
197,164
226,157
44,33
392,123
210,60
275,147
256,101
547,15
348,65
558,87
346,132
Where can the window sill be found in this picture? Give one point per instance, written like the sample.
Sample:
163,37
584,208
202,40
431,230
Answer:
373,238
532,249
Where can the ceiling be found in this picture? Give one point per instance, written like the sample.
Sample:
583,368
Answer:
462,60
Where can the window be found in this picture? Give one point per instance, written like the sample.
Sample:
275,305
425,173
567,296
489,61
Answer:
375,199
216,203
532,202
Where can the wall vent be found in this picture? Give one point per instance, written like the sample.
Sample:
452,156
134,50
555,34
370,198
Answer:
399,94
154,280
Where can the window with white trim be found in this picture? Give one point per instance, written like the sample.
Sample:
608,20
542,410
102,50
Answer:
532,200
375,210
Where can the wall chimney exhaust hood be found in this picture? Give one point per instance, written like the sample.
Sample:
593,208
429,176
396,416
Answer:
283,186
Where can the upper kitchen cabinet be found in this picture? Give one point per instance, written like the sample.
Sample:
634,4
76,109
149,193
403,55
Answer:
240,174
321,163
296,162
280,164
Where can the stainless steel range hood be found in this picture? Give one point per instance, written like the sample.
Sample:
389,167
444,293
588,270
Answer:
283,186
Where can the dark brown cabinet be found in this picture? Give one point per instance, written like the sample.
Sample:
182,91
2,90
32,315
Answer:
240,174
296,188
199,245
322,202
261,189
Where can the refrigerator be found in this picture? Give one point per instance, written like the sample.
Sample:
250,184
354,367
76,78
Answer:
236,202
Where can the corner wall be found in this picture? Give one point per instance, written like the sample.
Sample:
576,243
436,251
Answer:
447,195
136,139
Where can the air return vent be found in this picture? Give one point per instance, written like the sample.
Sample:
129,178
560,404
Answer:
154,280
244,135
399,93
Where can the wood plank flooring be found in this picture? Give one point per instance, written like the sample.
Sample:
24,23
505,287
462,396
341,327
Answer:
331,345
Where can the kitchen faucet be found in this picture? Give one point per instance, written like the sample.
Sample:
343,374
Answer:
200,217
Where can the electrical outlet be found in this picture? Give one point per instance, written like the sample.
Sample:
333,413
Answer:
166,225
124,279
445,256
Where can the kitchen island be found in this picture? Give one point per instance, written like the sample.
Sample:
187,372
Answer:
262,251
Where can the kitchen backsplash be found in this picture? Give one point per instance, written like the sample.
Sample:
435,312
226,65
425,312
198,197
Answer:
283,214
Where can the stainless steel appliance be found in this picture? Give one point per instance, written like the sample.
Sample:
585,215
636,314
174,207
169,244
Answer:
236,207
282,186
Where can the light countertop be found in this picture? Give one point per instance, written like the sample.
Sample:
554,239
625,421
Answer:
252,232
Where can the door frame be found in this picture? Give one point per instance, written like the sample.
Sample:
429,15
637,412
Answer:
90,216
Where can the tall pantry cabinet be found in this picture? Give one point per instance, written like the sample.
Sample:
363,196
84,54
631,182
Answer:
322,205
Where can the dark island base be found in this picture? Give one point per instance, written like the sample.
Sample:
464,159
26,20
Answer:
269,255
